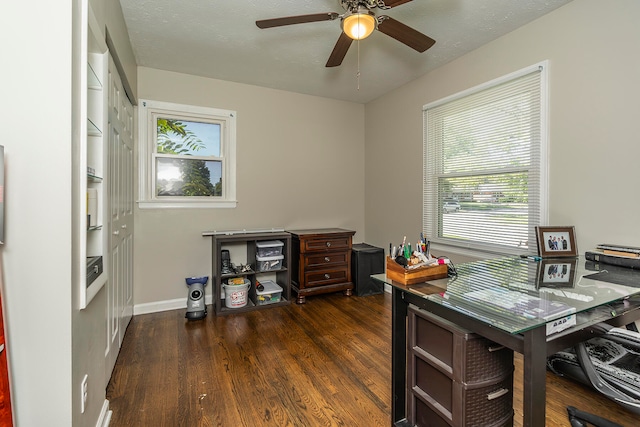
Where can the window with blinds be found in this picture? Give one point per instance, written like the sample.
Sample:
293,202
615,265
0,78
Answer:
485,164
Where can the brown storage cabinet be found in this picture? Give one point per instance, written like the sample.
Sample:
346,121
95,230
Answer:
321,261
456,378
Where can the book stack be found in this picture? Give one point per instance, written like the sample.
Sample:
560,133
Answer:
622,256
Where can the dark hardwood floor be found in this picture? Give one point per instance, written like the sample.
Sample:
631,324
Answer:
324,363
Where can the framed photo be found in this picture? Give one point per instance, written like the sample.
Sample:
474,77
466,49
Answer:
554,242
557,273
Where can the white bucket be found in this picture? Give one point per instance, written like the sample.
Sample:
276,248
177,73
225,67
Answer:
236,295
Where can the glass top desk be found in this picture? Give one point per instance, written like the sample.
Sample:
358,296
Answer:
511,301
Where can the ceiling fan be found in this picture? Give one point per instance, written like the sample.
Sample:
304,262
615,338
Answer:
358,22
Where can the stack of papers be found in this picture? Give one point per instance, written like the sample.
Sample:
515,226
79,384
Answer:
558,315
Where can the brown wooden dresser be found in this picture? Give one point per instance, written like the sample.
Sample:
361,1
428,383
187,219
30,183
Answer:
323,261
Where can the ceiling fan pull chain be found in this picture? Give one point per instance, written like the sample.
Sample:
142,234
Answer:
358,72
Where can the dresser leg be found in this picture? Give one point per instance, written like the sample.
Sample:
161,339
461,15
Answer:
348,292
300,299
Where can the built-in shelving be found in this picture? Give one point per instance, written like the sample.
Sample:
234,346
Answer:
90,162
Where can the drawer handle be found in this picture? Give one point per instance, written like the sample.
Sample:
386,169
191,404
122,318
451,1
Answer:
327,259
328,244
497,394
326,276
497,348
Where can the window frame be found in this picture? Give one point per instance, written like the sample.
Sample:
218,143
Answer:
477,248
148,111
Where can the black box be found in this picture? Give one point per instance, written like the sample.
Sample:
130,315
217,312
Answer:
365,261
94,268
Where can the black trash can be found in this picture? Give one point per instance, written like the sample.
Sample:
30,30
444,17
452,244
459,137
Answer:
365,261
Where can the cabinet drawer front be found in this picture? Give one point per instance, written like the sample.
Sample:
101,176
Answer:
327,243
325,277
325,260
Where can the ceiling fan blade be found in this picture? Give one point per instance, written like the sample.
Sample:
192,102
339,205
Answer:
394,3
339,50
404,34
300,19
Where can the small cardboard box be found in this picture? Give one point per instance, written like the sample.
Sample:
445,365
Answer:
399,274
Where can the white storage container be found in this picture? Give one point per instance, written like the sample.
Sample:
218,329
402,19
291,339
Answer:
236,296
269,248
271,293
268,263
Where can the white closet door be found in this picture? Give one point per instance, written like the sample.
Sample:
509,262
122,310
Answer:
121,145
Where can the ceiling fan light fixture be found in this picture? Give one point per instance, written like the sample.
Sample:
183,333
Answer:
359,25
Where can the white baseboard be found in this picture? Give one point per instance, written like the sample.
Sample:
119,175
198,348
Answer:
181,303
158,306
105,415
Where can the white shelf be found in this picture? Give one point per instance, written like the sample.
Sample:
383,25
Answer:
90,153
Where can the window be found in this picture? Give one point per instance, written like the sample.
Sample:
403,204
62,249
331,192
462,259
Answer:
187,156
485,162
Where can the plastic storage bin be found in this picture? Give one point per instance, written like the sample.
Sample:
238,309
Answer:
267,263
271,293
269,248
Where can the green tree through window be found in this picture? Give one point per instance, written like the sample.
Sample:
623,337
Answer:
174,138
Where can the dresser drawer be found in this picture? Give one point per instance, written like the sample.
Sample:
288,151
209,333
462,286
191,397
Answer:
326,260
326,277
326,243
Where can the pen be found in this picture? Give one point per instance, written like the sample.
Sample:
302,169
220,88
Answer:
532,257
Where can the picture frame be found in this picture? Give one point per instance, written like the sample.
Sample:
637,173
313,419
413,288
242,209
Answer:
557,273
556,241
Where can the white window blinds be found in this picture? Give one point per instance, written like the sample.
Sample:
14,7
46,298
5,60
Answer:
485,164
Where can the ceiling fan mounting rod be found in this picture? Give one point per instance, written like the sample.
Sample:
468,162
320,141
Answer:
352,5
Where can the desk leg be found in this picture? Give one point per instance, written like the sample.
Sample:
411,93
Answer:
398,356
535,376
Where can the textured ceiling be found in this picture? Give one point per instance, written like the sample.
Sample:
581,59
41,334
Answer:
219,39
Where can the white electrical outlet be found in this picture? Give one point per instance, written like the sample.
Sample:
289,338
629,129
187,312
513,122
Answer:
84,390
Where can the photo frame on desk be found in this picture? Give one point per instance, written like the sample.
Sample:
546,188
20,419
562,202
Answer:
556,242
557,273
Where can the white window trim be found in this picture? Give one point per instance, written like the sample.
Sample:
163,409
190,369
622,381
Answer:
478,249
146,142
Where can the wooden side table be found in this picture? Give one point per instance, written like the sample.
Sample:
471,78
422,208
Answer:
323,261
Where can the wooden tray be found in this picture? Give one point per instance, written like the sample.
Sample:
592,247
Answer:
399,274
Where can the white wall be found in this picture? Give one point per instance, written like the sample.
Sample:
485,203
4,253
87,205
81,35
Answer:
50,342
36,116
300,163
592,47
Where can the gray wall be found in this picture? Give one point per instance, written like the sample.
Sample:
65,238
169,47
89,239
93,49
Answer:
594,63
300,163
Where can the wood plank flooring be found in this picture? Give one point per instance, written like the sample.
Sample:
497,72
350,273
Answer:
324,363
